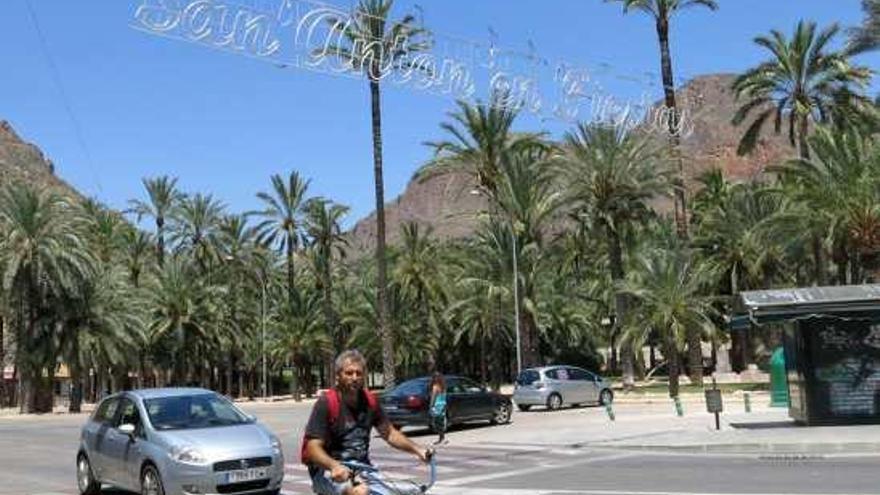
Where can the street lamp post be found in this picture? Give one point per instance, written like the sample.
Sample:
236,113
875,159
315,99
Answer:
263,330
516,303
475,192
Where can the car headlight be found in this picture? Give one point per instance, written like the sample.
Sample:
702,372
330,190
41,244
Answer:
188,455
276,446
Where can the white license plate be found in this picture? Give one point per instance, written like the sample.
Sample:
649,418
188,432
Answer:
251,474
391,407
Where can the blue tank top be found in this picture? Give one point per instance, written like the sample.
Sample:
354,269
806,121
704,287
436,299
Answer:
438,408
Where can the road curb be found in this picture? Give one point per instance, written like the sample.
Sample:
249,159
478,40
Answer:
768,449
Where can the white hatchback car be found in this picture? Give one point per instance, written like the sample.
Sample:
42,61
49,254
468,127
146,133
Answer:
556,386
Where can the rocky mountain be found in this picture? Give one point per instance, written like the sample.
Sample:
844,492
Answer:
22,162
709,141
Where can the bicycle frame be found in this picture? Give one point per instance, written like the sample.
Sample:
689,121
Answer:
380,486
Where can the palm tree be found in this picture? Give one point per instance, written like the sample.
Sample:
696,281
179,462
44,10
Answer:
235,245
742,232
181,310
669,290
136,247
838,188
105,325
481,138
611,176
136,251
482,274
327,243
43,256
196,226
804,81
867,36
529,196
375,46
417,273
283,221
103,229
662,12
163,199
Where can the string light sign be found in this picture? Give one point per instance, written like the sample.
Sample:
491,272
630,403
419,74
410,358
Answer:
314,36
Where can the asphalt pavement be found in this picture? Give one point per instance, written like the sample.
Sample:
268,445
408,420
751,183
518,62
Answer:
646,450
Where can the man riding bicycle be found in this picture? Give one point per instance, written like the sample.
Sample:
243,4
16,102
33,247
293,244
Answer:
339,430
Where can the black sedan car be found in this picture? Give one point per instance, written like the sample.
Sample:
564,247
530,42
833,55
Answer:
408,403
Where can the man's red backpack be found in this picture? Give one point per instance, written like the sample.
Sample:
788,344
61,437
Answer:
333,406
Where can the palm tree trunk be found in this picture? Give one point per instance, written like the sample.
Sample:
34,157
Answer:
531,354
30,370
674,123
295,380
841,262
483,361
381,265
819,258
674,367
241,387
425,317
160,240
329,317
75,405
738,338
695,356
2,361
613,363
855,261
229,371
803,134
25,392
615,251
291,275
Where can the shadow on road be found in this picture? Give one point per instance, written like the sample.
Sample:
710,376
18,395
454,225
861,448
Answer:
768,425
423,432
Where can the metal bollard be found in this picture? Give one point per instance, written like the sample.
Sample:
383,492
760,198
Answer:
610,411
679,409
747,402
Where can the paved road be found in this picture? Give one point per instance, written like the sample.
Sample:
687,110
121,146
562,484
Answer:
541,453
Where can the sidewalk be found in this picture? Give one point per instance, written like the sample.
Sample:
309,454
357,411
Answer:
654,426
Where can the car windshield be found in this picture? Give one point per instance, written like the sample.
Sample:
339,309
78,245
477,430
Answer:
193,411
527,377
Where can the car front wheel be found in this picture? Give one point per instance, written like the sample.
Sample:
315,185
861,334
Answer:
151,482
85,480
502,414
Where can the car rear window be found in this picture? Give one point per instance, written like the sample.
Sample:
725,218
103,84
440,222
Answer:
527,377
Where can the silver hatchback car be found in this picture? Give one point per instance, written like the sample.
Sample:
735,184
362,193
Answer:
177,441
555,386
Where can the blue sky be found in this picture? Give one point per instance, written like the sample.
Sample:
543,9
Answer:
224,123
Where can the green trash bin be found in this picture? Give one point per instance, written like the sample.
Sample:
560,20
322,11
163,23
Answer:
778,379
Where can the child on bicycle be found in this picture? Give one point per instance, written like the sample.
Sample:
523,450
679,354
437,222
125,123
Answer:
339,430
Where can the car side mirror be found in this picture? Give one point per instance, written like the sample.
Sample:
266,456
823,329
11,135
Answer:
127,429
251,418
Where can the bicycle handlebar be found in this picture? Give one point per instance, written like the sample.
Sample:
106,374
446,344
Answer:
371,473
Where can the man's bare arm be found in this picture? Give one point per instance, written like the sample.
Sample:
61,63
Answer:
318,456
399,441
